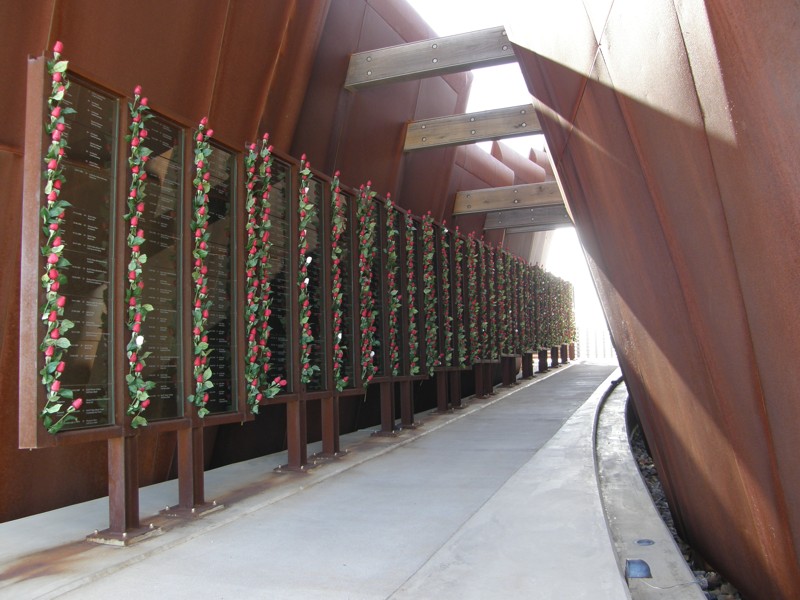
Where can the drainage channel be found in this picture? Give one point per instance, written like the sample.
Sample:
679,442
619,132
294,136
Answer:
647,554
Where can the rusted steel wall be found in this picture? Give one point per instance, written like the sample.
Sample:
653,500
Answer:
673,128
362,133
232,61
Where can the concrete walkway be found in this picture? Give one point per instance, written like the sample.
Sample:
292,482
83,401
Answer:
499,500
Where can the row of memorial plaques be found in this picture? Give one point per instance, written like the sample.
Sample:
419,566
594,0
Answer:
91,172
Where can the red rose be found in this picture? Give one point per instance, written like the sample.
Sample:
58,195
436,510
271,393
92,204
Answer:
56,385
145,402
77,403
143,101
58,47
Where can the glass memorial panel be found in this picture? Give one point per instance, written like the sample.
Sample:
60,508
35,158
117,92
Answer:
347,267
279,320
161,223
317,292
89,167
221,196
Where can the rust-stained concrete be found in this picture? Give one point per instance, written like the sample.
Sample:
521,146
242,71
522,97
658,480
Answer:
673,130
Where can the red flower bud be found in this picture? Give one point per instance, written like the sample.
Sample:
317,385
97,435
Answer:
145,402
210,133
53,316
60,367
58,47
52,274
144,101
134,221
52,259
56,385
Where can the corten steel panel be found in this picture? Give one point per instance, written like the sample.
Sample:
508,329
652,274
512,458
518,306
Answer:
525,171
429,170
519,244
565,31
23,32
759,182
291,77
374,129
475,169
686,229
173,55
64,475
543,160
326,103
254,33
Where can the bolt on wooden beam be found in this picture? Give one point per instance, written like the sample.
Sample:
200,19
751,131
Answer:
453,130
427,58
508,197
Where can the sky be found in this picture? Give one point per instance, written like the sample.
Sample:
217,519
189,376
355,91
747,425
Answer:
496,87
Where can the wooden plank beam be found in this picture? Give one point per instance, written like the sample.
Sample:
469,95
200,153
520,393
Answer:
513,196
500,123
537,228
538,216
427,58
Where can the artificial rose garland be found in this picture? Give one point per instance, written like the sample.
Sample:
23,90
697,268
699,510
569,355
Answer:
483,265
307,211
432,358
365,212
502,301
257,285
411,287
338,227
472,288
447,319
392,284
492,305
138,387
55,343
530,311
461,335
202,373
270,386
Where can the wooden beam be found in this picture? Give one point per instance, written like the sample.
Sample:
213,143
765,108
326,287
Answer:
538,216
513,196
427,58
500,123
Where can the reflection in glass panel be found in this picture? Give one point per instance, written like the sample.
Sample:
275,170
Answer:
161,223
279,323
89,168
220,280
319,326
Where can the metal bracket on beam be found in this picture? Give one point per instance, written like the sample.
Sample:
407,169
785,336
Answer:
427,58
502,198
500,123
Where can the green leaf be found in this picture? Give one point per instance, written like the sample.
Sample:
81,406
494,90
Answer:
62,343
138,421
60,66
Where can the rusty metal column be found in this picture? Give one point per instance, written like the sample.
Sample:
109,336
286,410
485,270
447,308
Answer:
477,370
455,389
527,365
190,468
441,392
387,407
330,426
542,361
406,405
123,491
296,436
